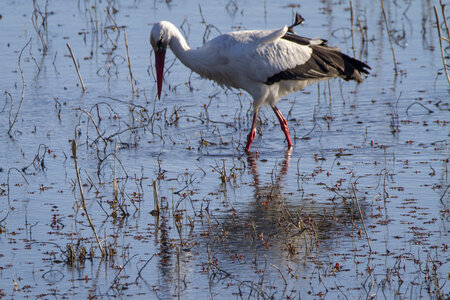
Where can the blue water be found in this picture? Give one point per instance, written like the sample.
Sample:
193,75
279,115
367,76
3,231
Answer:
238,245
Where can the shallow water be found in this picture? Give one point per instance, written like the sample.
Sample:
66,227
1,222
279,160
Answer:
273,223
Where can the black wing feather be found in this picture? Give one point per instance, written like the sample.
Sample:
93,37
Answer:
325,62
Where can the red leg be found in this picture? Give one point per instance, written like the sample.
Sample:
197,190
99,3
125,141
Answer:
283,124
252,134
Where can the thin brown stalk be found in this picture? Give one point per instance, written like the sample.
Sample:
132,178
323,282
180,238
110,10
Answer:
8,185
76,67
34,21
362,218
281,273
83,203
11,124
146,263
352,29
445,21
329,92
440,44
443,194
129,63
389,35
156,197
115,193
93,122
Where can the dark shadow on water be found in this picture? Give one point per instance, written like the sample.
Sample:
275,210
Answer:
276,225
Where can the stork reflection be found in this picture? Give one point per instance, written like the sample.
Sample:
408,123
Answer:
274,189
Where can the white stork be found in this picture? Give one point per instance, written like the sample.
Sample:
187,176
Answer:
268,64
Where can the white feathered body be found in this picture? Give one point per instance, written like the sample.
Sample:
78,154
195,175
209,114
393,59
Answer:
248,59
245,60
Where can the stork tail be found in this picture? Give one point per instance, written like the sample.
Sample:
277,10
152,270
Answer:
298,20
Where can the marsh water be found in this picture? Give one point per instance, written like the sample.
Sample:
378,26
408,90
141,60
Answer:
359,208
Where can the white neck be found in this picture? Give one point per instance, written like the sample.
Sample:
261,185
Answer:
178,44
204,61
191,58
179,47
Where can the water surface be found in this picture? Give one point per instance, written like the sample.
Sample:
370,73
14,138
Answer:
273,223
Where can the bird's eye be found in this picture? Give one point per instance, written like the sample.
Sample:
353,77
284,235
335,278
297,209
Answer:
160,45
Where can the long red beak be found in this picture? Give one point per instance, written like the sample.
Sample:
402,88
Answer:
159,64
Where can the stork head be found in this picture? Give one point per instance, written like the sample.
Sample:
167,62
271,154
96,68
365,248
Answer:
159,39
